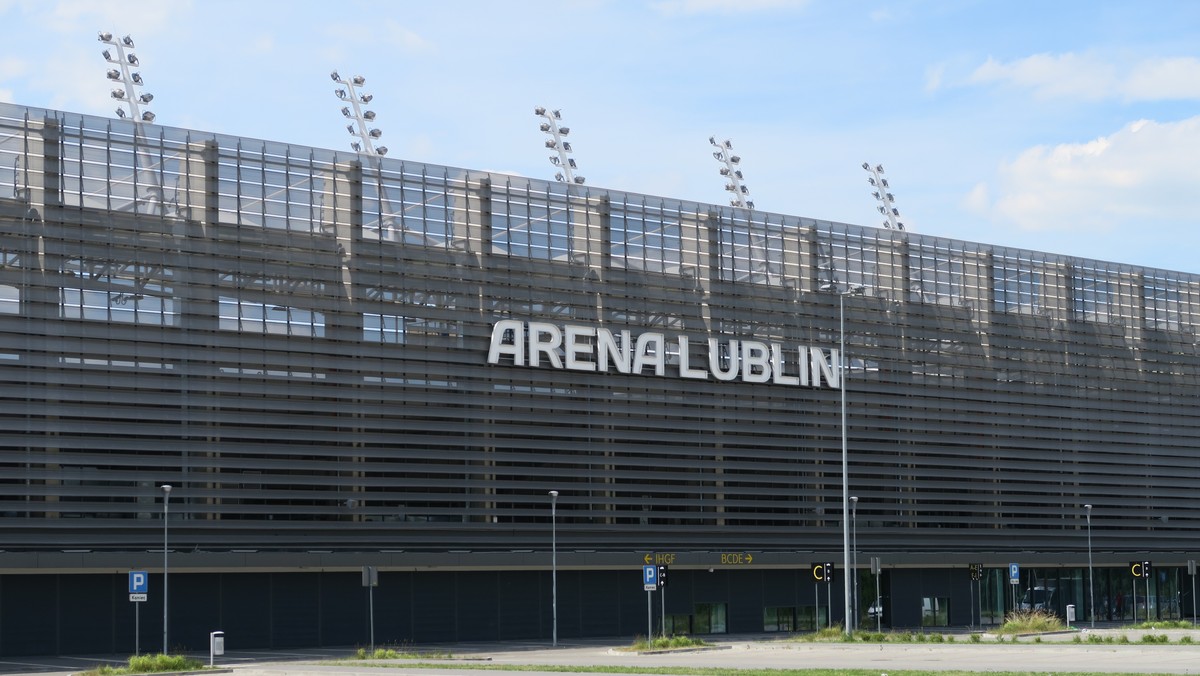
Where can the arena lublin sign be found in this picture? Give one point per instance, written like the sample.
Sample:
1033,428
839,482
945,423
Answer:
590,348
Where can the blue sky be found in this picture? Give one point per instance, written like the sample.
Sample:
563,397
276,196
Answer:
1060,126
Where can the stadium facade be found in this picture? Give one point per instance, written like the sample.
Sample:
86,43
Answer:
340,361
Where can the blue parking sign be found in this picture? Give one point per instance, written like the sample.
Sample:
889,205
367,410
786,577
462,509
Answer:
139,582
650,577
1014,573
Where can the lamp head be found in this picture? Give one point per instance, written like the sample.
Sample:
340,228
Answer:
553,494
166,489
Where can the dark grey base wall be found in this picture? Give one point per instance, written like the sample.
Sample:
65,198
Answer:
85,613
91,613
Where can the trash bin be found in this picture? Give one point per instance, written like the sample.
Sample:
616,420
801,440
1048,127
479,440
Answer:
216,645
1070,613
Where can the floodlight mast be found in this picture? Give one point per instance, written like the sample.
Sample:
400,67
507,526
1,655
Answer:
358,115
129,79
131,82
886,199
557,143
724,155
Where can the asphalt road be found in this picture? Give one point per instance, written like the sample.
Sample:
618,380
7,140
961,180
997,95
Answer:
1055,654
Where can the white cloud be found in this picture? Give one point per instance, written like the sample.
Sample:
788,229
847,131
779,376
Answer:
723,6
1164,79
263,44
977,200
933,77
403,37
1049,76
1140,177
1090,77
10,67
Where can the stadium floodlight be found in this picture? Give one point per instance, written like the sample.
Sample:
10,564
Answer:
132,100
729,170
129,80
358,128
558,143
885,197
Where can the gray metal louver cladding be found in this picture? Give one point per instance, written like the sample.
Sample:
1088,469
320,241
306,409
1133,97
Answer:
299,343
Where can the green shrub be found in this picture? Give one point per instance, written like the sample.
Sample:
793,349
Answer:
399,652
976,638
1165,624
1030,622
142,664
1077,639
1185,639
936,638
666,643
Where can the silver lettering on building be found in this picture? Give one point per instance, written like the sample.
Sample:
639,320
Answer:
574,347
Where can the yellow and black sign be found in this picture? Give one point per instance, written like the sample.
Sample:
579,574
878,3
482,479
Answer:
1140,568
976,571
659,558
822,572
736,558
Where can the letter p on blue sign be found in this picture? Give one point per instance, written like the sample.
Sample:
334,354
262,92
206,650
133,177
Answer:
138,582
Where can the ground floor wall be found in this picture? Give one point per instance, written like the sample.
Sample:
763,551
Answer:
43,614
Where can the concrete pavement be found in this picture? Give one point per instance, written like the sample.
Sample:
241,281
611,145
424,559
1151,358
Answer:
1055,654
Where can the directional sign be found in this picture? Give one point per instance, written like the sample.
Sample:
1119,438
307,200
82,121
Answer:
822,572
650,578
1014,573
976,571
1140,568
737,558
139,582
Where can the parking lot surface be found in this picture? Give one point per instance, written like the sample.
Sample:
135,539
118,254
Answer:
1057,653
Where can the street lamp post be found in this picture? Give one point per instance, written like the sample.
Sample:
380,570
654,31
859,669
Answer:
854,551
554,566
166,489
1091,589
845,451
